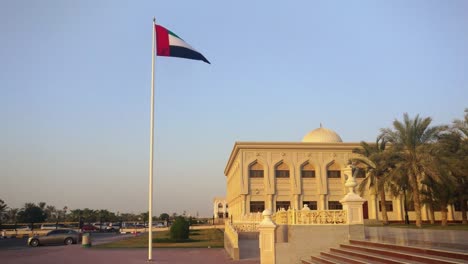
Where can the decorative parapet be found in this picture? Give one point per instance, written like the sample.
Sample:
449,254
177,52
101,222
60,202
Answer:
294,217
251,217
310,217
232,234
246,226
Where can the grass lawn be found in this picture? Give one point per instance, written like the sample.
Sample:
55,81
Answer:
199,238
429,226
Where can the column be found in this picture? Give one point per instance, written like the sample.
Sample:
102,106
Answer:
215,209
322,203
295,204
267,239
450,213
373,208
269,202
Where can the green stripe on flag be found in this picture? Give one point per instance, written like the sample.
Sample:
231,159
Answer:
173,34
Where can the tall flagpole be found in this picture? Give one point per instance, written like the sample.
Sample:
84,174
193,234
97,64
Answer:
150,188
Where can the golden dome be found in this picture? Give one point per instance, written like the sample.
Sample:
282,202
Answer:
322,135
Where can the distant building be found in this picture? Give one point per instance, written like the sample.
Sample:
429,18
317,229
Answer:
286,175
220,208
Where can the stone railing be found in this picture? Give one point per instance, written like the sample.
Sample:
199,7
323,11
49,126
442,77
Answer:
250,222
246,226
232,234
310,217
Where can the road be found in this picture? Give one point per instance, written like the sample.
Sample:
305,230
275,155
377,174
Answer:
21,243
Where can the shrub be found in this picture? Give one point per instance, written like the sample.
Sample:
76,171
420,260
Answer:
180,229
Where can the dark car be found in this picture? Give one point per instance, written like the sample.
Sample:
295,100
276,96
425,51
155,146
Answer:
56,237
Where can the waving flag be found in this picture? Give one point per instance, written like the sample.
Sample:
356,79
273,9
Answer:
170,45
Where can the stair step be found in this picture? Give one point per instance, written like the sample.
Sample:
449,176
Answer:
322,260
409,256
375,258
434,252
344,258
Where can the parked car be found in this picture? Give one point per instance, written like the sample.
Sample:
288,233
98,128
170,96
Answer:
89,228
51,226
99,226
54,237
113,227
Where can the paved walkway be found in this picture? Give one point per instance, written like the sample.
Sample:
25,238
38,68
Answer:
77,255
454,240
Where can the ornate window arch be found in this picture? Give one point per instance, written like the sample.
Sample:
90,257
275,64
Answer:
256,170
281,170
307,170
333,170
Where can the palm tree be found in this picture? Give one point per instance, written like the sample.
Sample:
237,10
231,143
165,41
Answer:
439,194
12,214
377,163
3,209
51,213
410,140
461,126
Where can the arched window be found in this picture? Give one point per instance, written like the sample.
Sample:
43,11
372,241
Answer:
282,170
220,206
307,171
333,171
256,170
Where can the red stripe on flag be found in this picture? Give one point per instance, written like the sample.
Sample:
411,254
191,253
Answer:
162,37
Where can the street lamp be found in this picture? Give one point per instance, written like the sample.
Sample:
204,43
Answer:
404,204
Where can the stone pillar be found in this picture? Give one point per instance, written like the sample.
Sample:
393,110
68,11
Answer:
424,212
372,207
215,209
267,239
352,202
322,205
243,209
269,202
295,204
450,213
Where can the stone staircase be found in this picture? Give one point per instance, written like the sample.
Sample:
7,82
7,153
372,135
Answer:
360,252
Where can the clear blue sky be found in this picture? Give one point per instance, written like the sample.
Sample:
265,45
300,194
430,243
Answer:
75,86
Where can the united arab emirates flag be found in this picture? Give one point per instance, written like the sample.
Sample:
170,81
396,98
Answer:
171,45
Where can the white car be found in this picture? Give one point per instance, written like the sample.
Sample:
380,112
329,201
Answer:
113,227
51,226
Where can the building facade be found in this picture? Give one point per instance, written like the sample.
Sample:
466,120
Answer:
220,208
277,175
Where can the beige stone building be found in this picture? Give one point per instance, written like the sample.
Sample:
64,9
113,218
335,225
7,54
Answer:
220,208
274,175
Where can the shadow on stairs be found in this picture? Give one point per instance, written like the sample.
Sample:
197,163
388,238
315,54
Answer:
364,252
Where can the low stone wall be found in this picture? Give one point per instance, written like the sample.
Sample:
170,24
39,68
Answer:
232,251
294,242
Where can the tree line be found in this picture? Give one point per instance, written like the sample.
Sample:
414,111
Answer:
430,162
41,212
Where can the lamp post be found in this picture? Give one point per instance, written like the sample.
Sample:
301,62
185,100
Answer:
404,204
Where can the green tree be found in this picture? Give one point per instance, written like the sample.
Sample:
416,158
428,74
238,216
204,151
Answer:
461,126
3,210
31,213
439,194
410,140
12,215
51,213
180,229
164,216
90,215
377,163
